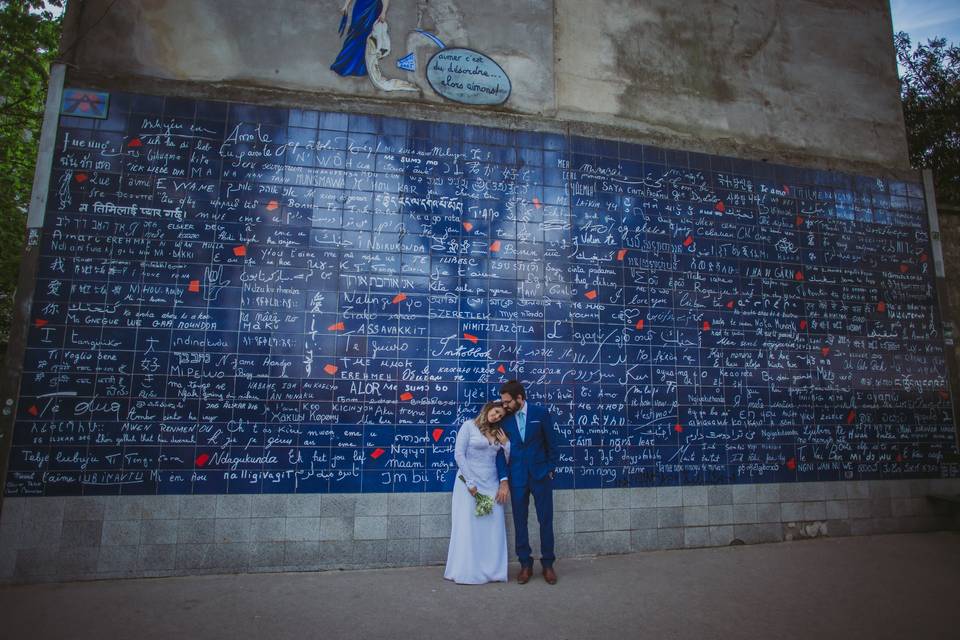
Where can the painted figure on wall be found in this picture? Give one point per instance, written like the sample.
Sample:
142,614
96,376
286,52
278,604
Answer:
367,41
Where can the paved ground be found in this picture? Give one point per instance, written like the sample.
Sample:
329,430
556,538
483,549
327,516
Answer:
896,586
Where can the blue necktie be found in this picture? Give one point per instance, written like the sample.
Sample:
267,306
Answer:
522,424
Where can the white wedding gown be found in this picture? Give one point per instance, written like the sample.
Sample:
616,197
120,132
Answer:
478,545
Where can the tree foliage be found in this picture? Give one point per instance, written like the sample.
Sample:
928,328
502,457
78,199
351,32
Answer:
930,93
29,38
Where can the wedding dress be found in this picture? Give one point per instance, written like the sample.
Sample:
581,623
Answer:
478,544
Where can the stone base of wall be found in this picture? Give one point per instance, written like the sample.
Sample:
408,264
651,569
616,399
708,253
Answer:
90,538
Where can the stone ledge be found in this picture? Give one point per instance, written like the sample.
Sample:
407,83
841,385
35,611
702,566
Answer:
92,538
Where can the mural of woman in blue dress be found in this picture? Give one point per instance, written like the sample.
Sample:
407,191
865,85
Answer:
351,60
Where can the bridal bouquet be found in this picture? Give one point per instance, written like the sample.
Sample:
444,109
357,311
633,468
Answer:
484,502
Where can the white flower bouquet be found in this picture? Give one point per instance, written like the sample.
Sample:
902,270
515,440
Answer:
484,502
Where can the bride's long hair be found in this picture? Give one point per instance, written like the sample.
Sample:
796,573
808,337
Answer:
488,429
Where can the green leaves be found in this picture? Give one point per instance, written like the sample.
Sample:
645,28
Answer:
484,505
30,33
930,93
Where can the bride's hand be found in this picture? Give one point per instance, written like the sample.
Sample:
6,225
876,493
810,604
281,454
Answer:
473,491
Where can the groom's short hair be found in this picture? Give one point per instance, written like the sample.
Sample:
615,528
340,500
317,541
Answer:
514,388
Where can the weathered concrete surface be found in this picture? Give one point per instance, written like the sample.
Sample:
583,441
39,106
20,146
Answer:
899,586
811,82
809,78
290,44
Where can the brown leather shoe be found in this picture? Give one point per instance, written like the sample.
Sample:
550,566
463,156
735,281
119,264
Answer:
525,574
550,575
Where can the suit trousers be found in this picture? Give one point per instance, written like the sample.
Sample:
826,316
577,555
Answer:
542,492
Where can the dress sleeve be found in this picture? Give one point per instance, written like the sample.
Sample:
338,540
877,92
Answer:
503,458
460,454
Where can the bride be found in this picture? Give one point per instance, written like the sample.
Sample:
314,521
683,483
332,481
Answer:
478,544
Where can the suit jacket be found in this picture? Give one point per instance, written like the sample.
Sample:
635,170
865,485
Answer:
538,453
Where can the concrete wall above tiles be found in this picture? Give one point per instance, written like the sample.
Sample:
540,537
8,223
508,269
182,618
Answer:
796,82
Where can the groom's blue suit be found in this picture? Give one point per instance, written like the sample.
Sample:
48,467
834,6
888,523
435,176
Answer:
532,459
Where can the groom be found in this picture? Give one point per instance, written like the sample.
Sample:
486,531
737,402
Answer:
534,456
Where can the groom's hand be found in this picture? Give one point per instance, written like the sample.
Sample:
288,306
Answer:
503,493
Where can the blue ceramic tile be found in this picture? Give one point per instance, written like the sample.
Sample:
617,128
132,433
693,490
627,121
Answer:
179,108
348,302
